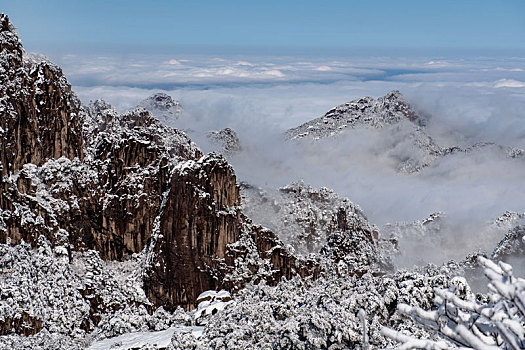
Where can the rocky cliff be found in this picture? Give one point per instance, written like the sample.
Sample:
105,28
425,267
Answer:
204,241
40,114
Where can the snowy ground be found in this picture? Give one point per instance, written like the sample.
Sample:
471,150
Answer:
139,339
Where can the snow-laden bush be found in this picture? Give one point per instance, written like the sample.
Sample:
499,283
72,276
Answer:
495,323
325,313
68,304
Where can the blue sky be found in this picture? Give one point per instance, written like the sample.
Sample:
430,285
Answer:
142,25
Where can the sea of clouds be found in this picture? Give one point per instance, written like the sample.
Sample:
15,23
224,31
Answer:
466,100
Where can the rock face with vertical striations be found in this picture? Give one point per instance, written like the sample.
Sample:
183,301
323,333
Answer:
198,221
204,240
132,154
39,113
109,200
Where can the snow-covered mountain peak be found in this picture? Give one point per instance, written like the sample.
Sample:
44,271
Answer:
392,128
8,32
162,106
367,111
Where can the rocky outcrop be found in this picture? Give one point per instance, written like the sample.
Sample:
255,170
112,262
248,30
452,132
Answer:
39,120
107,201
226,139
163,107
512,245
133,157
367,111
317,221
39,114
203,238
198,221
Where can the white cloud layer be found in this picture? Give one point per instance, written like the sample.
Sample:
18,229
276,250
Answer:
510,83
468,101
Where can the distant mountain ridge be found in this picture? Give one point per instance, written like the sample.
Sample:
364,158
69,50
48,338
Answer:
367,111
404,127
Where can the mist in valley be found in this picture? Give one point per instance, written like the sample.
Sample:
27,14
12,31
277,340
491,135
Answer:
464,102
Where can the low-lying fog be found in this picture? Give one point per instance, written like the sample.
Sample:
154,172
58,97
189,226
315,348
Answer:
467,101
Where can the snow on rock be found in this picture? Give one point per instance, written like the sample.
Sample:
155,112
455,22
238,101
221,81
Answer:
163,107
412,149
94,173
39,112
397,126
366,111
513,244
226,139
303,216
313,221
209,303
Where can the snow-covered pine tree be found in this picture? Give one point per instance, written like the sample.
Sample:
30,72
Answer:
496,323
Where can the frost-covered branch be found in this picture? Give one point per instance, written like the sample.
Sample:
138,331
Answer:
468,323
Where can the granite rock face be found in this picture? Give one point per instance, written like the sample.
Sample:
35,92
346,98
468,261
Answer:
205,242
109,200
198,221
39,113
132,155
